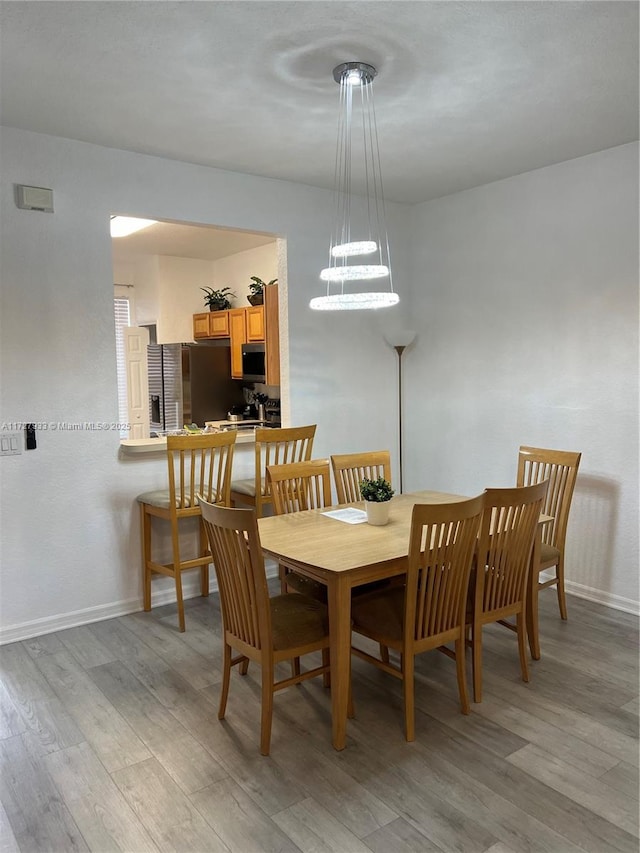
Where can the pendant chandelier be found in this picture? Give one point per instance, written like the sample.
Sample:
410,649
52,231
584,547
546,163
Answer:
359,247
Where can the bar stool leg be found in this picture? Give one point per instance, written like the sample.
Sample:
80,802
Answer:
177,575
145,537
204,571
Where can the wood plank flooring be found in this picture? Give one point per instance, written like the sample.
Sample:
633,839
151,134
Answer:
109,741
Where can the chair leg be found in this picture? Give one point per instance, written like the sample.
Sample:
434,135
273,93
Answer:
244,666
179,601
326,660
282,572
351,712
145,536
522,645
462,675
409,697
532,616
204,570
384,653
267,710
476,649
562,599
295,668
177,573
226,677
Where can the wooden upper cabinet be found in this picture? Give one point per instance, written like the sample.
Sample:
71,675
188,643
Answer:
238,335
212,324
219,324
242,325
272,335
201,325
255,323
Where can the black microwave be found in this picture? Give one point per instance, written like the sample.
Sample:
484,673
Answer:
253,364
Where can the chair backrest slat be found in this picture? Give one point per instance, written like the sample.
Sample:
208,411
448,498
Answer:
300,485
239,565
350,469
507,533
441,547
280,447
560,468
200,464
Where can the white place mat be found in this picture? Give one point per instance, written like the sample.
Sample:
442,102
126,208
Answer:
350,515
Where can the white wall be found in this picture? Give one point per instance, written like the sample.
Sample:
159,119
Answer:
525,298
235,271
180,296
70,537
524,294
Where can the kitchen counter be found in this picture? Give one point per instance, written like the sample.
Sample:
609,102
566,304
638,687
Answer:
159,445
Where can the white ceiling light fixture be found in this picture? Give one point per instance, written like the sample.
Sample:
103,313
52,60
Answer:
359,224
122,226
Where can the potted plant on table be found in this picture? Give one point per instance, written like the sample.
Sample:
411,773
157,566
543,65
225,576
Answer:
218,300
376,495
257,286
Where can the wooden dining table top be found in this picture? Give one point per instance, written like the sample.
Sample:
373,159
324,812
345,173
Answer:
312,538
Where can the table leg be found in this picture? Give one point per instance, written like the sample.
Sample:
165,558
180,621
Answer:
339,601
532,598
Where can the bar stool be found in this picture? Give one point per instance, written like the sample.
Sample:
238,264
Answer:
198,464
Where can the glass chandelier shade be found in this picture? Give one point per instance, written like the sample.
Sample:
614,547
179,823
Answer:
359,226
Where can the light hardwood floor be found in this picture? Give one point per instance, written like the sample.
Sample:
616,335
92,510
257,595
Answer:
109,741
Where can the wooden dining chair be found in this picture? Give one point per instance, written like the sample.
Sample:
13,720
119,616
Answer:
259,628
507,533
198,464
350,469
430,610
295,487
560,468
273,447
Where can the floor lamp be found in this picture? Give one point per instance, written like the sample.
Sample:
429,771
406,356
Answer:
400,341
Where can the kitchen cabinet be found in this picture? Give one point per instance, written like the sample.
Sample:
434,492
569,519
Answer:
212,324
272,335
245,325
238,335
255,323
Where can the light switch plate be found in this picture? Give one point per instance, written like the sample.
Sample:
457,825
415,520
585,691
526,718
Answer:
11,443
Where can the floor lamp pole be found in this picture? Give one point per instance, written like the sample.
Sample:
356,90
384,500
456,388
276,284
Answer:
400,349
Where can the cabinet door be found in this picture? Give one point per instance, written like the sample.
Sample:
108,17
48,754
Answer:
255,323
201,325
219,324
272,335
237,329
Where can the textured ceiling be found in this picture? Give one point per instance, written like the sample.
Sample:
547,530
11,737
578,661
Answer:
187,241
467,93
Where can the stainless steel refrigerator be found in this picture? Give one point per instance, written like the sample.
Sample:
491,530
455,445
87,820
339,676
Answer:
190,383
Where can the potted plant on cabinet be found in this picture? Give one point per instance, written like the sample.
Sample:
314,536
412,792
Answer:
218,300
376,495
257,286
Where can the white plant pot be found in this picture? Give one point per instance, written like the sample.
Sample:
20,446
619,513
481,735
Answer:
377,513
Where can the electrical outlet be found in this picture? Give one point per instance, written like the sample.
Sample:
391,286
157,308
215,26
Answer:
10,443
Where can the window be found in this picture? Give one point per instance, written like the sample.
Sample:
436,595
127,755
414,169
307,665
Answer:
122,317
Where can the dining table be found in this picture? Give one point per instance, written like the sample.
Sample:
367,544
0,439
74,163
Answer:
344,555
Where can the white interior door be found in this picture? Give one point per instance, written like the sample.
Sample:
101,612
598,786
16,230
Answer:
136,340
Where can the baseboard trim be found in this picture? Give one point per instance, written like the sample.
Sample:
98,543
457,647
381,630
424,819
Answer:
617,602
49,624
191,589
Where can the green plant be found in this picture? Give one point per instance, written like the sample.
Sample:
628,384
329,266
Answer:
378,490
257,285
218,300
